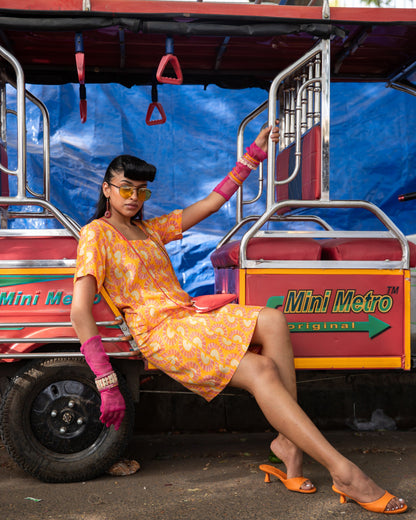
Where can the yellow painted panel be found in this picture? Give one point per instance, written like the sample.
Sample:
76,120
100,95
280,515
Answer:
348,363
393,272
407,321
38,270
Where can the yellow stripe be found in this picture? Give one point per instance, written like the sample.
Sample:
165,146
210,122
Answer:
383,272
348,362
407,321
242,292
39,270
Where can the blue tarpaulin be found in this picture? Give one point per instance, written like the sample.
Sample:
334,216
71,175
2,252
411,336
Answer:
373,151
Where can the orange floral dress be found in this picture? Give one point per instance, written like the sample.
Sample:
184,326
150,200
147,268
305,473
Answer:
201,351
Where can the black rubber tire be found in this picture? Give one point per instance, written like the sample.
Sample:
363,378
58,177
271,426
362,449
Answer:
47,396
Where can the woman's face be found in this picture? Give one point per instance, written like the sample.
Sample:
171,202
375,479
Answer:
128,200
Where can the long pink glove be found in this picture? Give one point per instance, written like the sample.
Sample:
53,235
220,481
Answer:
249,161
112,402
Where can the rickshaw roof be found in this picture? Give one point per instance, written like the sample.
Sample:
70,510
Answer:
233,45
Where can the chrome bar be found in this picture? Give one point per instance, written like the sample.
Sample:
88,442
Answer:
304,102
325,118
13,264
389,265
292,114
271,163
235,228
260,188
61,340
46,141
355,204
69,224
35,355
240,151
298,141
329,233
317,92
115,322
3,114
310,97
46,145
407,89
286,117
20,171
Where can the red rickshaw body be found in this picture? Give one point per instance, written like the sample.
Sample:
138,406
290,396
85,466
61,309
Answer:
346,295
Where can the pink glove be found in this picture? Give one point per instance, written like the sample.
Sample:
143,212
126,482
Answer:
250,160
112,407
112,402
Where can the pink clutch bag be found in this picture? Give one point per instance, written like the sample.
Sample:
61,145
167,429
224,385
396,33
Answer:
211,302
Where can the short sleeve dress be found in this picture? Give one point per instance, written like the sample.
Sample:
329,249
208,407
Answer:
201,351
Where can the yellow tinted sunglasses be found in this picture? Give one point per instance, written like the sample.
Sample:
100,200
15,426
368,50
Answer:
127,191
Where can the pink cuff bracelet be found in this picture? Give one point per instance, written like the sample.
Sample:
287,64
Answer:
235,178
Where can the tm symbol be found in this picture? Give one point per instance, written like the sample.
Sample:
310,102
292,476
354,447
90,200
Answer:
392,290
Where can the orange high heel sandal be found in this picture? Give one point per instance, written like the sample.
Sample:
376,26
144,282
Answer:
293,484
377,506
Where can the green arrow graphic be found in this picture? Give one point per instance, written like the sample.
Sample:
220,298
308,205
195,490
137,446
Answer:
373,326
275,301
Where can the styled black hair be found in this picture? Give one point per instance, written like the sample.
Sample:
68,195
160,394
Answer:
133,168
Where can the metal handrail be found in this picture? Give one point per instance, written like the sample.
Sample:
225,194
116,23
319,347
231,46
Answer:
46,139
36,355
114,322
69,224
354,204
20,171
323,49
69,339
43,201
240,151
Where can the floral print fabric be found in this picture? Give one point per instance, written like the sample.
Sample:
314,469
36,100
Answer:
201,351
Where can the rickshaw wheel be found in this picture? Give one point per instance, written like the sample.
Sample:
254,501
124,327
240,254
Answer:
49,422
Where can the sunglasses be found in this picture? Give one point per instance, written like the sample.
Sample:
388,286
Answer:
127,191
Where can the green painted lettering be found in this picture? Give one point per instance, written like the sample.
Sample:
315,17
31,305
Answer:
26,299
53,299
7,298
294,302
343,301
386,303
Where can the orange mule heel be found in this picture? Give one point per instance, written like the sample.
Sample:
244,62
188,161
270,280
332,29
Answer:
377,506
293,484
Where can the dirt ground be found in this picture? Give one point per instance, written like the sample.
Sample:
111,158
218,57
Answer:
208,477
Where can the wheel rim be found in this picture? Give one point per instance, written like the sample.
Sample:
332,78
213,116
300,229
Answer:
65,416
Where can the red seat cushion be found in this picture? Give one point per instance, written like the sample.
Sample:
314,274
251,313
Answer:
307,184
273,248
365,249
38,248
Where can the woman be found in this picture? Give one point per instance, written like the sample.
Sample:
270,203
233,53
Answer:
205,352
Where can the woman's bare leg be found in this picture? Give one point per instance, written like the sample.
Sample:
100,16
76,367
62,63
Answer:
260,376
272,333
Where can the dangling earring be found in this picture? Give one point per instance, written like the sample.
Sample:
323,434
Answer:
107,213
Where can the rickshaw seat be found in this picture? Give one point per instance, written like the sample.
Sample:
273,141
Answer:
307,184
38,247
377,249
273,248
